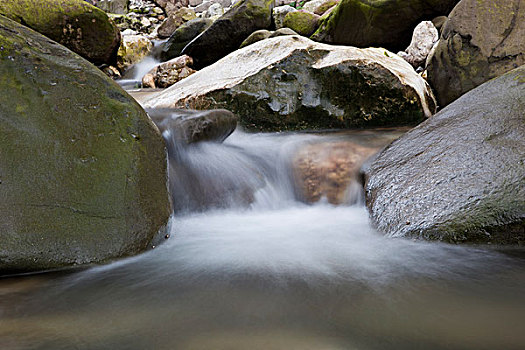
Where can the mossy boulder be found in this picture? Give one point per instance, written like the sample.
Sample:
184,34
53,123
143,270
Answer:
228,32
459,176
480,41
79,26
256,36
82,168
291,83
302,22
384,23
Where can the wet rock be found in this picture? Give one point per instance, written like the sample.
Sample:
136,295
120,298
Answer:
79,26
480,41
279,13
459,176
182,36
330,170
174,21
291,82
227,33
424,37
303,22
133,49
189,126
168,73
82,167
386,23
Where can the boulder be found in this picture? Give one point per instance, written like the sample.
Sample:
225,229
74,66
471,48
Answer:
227,33
168,73
279,13
82,167
183,126
324,7
480,41
385,23
302,22
174,21
423,40
291,82
113,6
133,49
256,36
75,24
282,32
459,176
170,6
182,36
330,170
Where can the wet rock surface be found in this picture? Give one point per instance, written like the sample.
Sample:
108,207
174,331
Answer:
459,176
291,82
82,168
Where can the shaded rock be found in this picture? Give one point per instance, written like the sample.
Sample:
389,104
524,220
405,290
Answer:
424,37
480,41
113,6
330,170
174,21
133,48
182,36
302,22
75,24
279,13
386,23
111,72
439,22
227,33
82,167
291,82
171,6
168,73
256,36
282,32
189,126
459,176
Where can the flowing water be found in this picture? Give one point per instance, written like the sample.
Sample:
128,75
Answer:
248,266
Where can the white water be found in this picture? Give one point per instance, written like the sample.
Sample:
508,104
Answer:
274,274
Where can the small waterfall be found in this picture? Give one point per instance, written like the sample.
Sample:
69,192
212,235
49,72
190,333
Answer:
132,78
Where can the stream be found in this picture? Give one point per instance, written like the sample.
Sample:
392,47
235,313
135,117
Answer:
264,270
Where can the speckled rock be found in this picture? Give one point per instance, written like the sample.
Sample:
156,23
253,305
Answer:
384,23
227,33
480,41
133,49
168,73
82,168
459,176
291,82
113,6
75,24
423,40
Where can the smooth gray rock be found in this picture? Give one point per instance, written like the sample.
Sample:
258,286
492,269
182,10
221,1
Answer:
459,176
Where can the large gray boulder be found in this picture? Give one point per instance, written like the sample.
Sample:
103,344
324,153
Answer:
385,23
82,167
291,82
459,176
480,41
79,26
228,32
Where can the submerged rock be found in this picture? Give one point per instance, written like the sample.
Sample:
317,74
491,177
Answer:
481,40
75,24
228,32
330,170
459,176
385,23
291,82
82,167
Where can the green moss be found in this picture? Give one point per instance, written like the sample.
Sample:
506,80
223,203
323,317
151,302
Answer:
303,23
